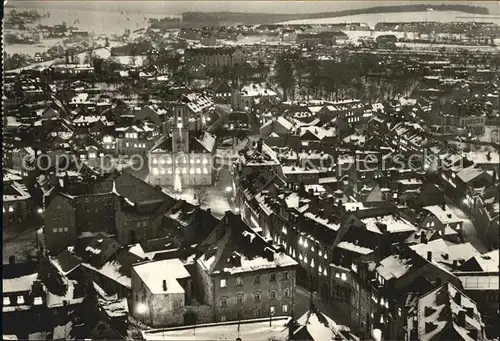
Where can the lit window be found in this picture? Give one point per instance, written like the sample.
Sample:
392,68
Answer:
169,171
155,171
312,263
271,310
284,308
54,230
20,299
306,244
205,170
325,256
162,171
320,253
223,318
400,312
223,283
11,208
198,170
354,267
337,275
191,171
325,272
169,160
126,144
6,301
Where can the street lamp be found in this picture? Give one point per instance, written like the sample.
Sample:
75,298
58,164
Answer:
141,308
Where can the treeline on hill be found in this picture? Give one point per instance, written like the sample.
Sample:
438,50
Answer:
220,18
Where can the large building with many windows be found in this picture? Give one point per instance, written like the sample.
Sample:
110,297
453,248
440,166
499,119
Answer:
242,275
182,159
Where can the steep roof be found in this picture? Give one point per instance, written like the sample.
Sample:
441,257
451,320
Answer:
240,249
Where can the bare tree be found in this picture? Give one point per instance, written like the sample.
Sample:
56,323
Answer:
201,194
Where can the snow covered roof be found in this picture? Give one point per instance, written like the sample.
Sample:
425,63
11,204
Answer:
18,284
240,250
446,216
256,90
394,267
322,221
354,248
470,173
488,262
152,274
446,255
394,224
438,313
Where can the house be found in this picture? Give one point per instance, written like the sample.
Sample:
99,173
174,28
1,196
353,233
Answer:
18,206
216,59
479,277
279,126
59,230
445,313
221,91
186,224
160,290
239,269
289,36
141,209
442,216
209,39
135,139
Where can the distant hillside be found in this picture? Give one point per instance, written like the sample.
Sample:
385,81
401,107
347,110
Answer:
224,18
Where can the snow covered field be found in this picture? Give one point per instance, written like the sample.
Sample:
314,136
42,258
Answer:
374,18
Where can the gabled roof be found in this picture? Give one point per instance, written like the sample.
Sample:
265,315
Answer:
240,249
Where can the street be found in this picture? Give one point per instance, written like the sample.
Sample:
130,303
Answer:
469,230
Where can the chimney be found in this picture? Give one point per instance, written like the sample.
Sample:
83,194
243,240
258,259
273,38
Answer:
458,298
461,318
443,206
455,263
423,238
429,256
209,211
12,260
164,285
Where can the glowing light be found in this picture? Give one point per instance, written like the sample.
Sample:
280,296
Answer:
179,125
464,201
228,189
177,183
343,277
237,210
141,308
40,210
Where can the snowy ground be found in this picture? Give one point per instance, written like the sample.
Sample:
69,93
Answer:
490,134
218,200
469,230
